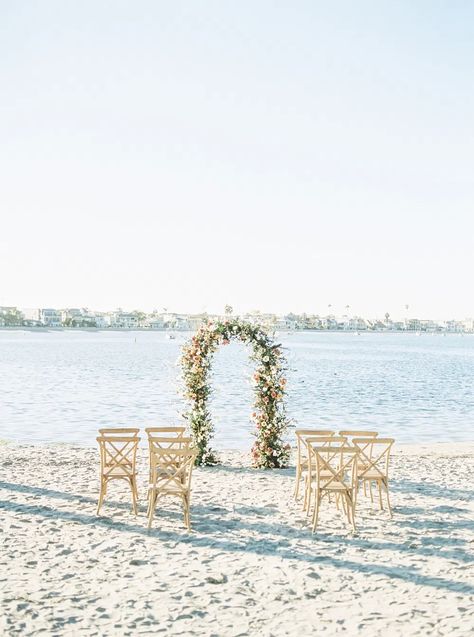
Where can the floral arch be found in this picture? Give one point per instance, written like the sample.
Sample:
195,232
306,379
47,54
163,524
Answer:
269,450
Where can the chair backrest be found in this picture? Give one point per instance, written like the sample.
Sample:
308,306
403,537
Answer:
165,431
168,442
172,469
350,434
119,431
118,452
326,440
302,434
374,455
333,465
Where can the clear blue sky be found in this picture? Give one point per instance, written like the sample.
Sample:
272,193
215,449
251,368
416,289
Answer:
272,155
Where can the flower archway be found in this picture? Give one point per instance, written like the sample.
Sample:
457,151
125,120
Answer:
269,450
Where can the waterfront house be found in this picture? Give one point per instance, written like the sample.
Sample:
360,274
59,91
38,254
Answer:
50,317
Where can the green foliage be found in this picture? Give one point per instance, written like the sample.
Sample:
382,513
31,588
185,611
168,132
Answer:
269,416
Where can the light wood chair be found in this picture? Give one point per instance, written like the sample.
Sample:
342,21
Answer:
324,441
166,438
118,462
350,434
333,469
302,453
165,431
119,431
171,472
374,458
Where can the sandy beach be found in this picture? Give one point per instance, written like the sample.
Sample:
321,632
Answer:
250,566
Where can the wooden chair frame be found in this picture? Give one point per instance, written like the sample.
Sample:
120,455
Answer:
323,441
171,473
302,453
350,434
327,470
165,430
118,462
373,465
119,431
166,442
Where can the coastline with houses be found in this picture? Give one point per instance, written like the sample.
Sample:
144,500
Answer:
12,317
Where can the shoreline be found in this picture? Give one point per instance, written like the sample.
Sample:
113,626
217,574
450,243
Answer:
359,332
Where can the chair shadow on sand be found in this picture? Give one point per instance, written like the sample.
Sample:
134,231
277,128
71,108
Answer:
211,521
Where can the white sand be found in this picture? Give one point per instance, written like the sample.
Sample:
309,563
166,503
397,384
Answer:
249,567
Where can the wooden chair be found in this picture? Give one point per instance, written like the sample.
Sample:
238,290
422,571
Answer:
324,441
374,458
119,431
350,434
302,454
333,469
165,438
118,462
165,431
171,472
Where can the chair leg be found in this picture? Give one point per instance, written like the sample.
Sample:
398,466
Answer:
148,497
103,486
305,499
346,506
297,485
316,510
365,488
308,504
187,517
388,500
379,485
151,507
133,487
351,502
370,491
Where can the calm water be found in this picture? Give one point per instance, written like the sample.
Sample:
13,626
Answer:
62,386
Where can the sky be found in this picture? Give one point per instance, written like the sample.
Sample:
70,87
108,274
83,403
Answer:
279,156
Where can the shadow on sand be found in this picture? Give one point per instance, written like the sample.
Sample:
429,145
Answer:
211,522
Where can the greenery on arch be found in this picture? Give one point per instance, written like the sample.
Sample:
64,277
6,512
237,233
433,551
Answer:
269,449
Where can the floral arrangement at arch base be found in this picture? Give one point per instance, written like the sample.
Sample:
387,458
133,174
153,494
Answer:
269,450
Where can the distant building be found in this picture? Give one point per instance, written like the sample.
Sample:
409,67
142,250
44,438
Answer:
124,320
50,317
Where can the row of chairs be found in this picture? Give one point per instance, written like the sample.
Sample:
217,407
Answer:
336,463
171,462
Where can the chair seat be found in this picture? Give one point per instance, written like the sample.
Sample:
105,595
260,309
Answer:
371,475
174,490
335,485
323,473
119,472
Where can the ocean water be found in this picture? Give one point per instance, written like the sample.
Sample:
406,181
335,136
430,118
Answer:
63,386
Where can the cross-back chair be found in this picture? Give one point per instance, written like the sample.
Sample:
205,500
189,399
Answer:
166,431
350,434
323,441
119,431
171,473
118,462
166,442
374,458
333,469
302,453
